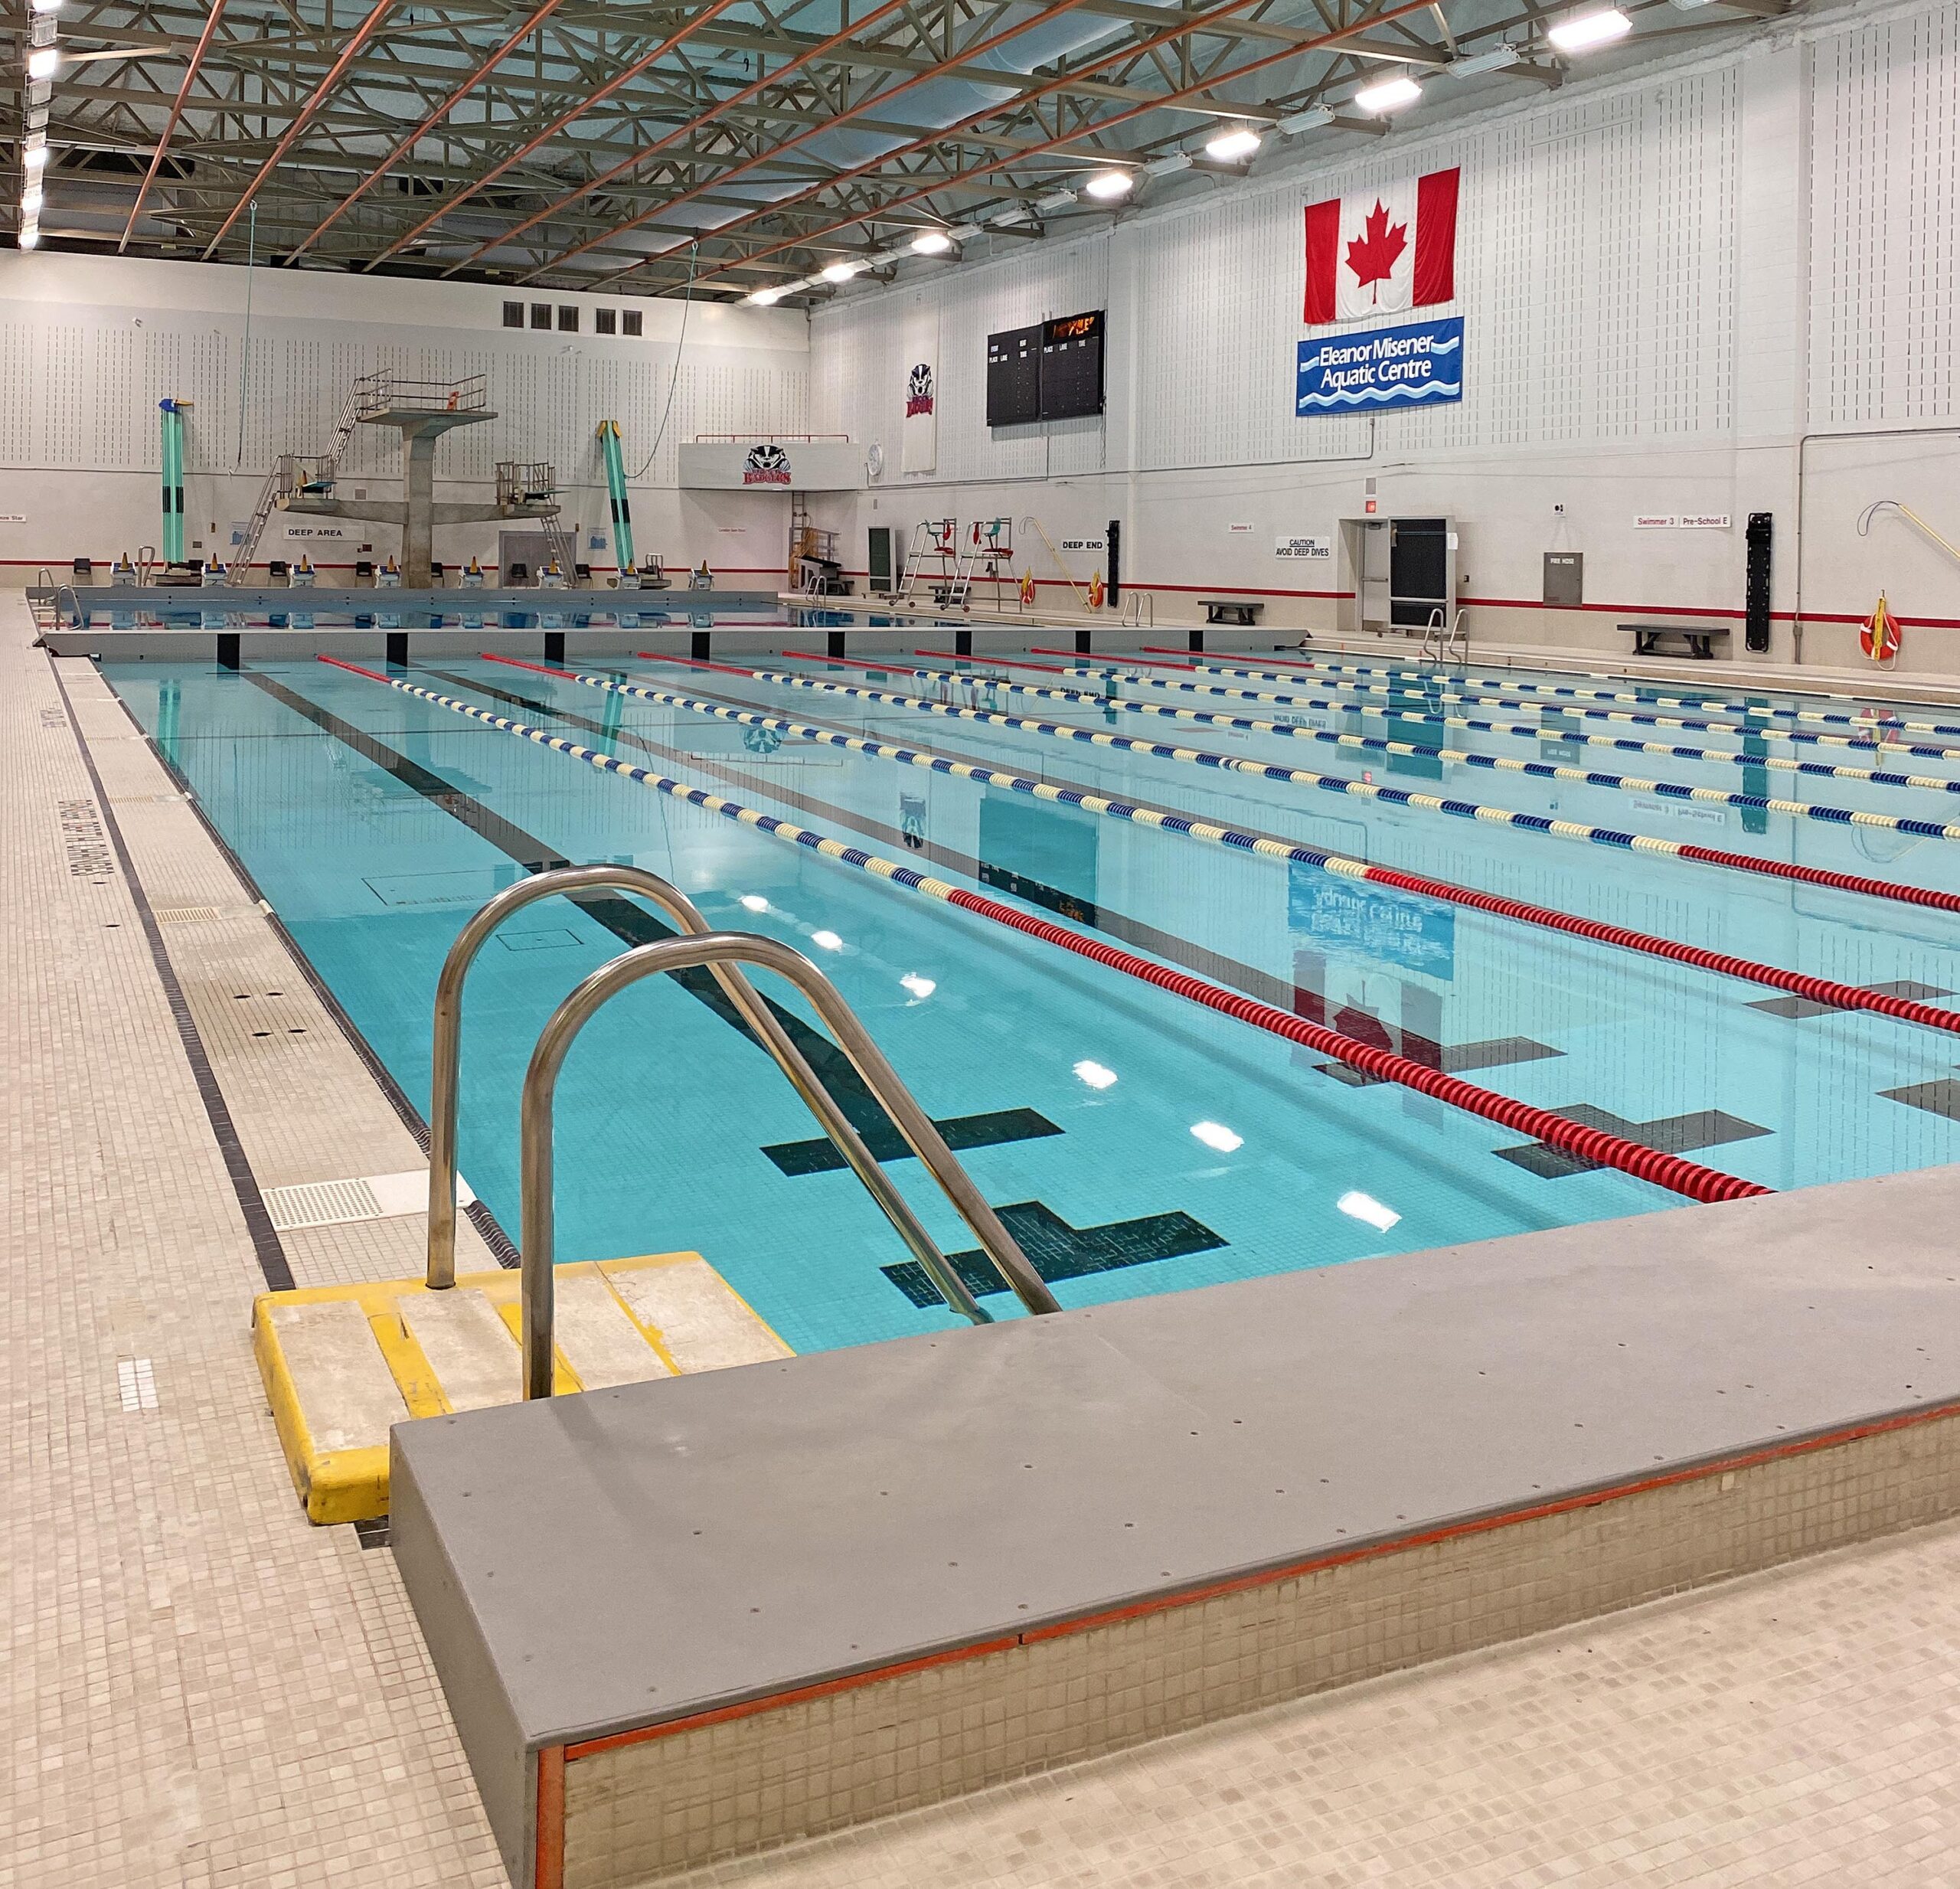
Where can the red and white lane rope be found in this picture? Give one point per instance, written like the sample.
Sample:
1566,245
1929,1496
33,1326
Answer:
1671,1171
1903,894
1821,990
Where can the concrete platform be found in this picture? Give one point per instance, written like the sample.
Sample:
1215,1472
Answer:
677,1620
342,1365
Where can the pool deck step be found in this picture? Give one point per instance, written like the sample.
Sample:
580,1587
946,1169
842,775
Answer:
343,1364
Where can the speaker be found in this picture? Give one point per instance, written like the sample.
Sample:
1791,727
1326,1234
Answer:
1756,595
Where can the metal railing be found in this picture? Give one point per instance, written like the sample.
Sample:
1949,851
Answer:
385,391
526,481
716,950
446,1055
1140,610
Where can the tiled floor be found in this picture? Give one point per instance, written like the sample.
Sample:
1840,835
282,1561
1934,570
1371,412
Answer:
202,1690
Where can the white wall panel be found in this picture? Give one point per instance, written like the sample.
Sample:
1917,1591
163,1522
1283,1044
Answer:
1885,134
1667,279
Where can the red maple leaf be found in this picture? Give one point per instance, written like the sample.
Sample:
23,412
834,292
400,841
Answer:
1372,255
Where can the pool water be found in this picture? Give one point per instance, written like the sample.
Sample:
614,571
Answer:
1136,1142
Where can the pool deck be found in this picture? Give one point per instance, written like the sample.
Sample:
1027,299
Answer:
204,1690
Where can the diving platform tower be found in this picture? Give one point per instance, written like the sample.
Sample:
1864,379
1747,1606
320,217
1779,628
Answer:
422,412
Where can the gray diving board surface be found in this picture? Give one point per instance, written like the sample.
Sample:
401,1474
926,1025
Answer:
681,1618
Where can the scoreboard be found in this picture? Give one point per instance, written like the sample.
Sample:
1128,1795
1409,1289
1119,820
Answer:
1014,377
1051,370
1072,366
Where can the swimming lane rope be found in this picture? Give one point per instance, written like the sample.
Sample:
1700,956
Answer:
1670,1171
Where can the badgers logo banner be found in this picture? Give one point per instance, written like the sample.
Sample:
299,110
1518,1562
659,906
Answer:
766,465
919,437
1382,252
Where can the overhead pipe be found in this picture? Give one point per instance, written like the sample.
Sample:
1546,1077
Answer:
633,159
1192,23
624,77
170,122
428,124
966,56
311,103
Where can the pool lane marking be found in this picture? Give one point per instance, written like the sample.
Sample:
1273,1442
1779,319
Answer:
1670,1171
1193,826
1532,731
1815,717
1542,770
1342,784
1132,931
632,924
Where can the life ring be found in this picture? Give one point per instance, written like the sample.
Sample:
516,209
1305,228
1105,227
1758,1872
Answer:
1878,637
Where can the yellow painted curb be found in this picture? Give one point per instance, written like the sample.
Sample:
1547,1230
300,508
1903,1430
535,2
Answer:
351,1485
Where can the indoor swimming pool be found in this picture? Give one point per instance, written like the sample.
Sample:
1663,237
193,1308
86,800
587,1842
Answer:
1135,1142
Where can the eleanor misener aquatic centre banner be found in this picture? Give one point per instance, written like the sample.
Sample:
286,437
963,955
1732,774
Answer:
1419,365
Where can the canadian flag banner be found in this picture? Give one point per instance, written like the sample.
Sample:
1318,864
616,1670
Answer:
1382,252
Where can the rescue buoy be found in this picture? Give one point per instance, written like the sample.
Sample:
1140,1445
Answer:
1878,637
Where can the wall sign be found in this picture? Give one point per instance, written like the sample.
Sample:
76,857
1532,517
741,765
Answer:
1240,531
1655,521
1705,521
1084,543
1316,549
1421,364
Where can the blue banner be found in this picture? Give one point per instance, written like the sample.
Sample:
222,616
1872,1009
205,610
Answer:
1419,365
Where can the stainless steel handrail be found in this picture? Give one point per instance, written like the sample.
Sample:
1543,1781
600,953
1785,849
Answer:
718,949
447,1050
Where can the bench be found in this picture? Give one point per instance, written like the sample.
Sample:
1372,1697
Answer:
1697,636
1240,610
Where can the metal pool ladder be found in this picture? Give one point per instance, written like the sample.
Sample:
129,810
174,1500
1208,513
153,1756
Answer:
718,952
1450,644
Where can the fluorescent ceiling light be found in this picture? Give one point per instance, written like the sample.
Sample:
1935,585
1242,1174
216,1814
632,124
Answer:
1055,200
1164,166
1106,186
31,199
1582,32
42,62
1217,1135
47,6
1311,120
840,272
920,987
34,156
1229,146
763,299
1358,1206
753,902
30,236
829,940
1494,61
931,243
1392,95
1095,1074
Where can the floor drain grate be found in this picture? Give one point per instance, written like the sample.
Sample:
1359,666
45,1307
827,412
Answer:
320,1204
368,1197
184,914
